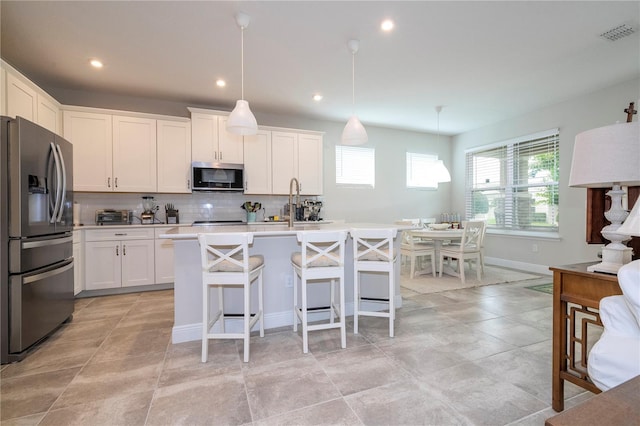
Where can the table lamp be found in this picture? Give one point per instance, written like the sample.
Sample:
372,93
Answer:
609,157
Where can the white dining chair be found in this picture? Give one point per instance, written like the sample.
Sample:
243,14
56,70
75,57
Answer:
226,264
413,248
320,261
469,248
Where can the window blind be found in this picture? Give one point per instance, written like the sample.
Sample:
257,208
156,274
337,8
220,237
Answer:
514,184
355,165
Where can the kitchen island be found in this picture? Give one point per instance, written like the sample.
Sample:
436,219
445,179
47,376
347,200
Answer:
275,243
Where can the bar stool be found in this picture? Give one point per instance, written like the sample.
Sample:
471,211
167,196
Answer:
320,259
373,251
226,263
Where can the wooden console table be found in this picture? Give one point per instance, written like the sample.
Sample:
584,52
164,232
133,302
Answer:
576,299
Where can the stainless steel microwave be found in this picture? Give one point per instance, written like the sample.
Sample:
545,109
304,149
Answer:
217,176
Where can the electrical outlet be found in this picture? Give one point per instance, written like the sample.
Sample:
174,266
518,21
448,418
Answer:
288,281
534,248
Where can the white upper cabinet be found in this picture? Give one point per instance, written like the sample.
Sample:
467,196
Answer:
210,141
310,173
174,156
22,99
230,145
25,99
296,155
134,154
111,152
284,153
91,136
257,163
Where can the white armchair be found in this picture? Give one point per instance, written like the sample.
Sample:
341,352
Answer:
615,358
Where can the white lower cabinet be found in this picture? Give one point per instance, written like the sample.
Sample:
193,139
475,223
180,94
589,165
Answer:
119,258
164,258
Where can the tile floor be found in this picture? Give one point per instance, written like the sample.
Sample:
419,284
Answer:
479,356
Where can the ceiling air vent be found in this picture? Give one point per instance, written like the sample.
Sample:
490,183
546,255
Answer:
618,32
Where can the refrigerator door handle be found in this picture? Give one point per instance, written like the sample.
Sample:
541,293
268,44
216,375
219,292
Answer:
56,207
51,273
47,243
63,192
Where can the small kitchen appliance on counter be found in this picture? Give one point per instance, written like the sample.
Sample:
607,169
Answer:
307,210
171,214
148,216
113,217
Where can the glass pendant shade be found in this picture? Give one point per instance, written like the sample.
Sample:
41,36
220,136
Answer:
354,132
241,121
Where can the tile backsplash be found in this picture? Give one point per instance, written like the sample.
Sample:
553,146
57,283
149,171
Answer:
191,207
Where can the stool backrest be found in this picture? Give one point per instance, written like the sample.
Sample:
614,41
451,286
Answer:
225,252
373,244
322,248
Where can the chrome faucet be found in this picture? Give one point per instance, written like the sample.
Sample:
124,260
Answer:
293,209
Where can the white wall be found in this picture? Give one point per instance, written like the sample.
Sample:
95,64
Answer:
573,116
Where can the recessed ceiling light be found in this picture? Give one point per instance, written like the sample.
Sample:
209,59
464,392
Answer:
221,83
96,63
317,97
387,25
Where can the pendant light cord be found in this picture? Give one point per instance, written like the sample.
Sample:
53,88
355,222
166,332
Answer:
242,61
353,83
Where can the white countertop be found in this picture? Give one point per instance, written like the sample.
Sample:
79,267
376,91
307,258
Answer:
135,225
261,229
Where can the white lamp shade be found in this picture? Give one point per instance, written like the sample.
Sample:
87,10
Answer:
354,132
441,173
631,225
607,155
241,120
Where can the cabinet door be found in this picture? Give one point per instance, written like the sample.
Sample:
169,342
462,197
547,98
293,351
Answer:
91,136
204,137
21,99
164,261
103,265
48,114
230,146
174,156
310,164
134,154
284,164
257,163
138,266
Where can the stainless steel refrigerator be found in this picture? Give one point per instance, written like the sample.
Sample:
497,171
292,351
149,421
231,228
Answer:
36,252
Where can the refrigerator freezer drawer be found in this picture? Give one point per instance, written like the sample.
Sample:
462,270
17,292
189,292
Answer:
39,302
33,253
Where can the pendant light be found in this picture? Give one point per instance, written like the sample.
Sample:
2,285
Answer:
354,132
241,121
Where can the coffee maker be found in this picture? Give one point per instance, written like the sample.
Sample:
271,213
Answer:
312,210
148,216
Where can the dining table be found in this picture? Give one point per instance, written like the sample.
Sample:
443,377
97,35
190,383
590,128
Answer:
439,237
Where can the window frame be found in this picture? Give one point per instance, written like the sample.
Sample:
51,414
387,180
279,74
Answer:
519,213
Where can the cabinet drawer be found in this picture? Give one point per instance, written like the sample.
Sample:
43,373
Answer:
119,234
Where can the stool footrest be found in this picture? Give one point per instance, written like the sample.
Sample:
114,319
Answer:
374,314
